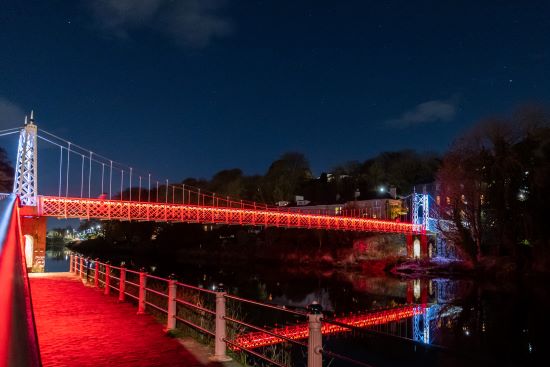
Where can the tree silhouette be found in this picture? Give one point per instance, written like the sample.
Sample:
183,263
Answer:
6,172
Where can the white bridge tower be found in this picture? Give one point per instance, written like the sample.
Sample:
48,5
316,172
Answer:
26,171
421,202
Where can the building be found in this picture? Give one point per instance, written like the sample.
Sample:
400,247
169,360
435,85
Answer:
375,204
378,205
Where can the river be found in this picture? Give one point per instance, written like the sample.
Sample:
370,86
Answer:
463,321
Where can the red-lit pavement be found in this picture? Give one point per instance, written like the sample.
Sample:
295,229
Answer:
79,326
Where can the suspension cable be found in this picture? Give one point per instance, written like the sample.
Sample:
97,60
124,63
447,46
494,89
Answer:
60,169
130,183
111,181
10,133
10,129
90,177
100,159
68,167
82,178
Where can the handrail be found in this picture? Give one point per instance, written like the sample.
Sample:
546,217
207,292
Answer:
178,212
18,337
312,331
267,305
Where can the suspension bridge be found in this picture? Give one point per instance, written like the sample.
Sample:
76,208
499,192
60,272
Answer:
85,190
92,186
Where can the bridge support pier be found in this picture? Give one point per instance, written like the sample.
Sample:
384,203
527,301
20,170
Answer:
33,229
424,246
417,291
410,240
410,294
417,246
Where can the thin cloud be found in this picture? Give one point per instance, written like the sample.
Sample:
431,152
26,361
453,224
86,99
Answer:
11,115
188,22
425,113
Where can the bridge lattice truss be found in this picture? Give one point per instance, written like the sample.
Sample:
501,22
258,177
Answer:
165,212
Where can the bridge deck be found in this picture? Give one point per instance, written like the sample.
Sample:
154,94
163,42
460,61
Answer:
79,326
166,212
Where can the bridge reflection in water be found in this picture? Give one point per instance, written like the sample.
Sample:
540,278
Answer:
419,318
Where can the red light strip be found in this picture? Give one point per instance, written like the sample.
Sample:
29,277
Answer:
301,331
161,212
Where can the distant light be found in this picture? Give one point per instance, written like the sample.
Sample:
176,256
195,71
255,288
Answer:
98,227
382,189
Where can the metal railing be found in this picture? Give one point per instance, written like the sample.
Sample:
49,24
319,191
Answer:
190,213
18,339
204,311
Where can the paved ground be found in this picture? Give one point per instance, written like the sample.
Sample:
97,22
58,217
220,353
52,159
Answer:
79,326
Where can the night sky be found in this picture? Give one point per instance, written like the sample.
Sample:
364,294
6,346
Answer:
186,88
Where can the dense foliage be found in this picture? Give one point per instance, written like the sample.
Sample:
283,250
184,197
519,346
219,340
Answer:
291,175
493,186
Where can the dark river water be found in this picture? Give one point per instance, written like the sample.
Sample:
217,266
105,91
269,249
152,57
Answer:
461,322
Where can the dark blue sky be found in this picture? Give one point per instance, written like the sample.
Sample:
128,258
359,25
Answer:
186,88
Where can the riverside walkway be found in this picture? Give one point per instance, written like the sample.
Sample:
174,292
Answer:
79,326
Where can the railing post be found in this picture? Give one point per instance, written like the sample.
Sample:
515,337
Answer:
71,263
88,265
96,273
107,279
171,317
122,283
142,285
315,339
81,267
219,342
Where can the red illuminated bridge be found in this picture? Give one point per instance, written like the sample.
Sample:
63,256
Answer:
127,194
86,190
167,212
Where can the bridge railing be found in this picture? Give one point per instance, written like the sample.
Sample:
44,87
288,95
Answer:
212,314
18,340
132,210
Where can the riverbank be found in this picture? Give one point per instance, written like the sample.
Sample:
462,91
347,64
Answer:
374,254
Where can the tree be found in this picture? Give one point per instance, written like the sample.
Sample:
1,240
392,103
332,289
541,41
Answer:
285,176
493,184
462,183
228,182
